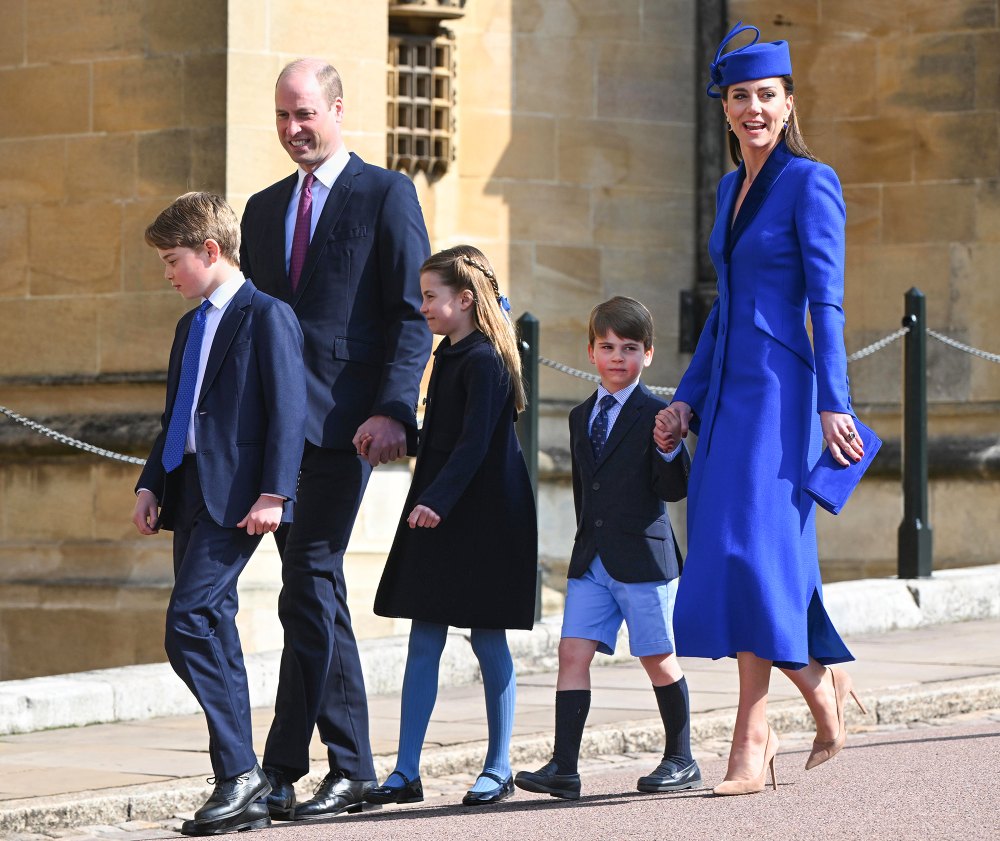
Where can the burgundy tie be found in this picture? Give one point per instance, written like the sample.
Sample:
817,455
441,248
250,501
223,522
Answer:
300,239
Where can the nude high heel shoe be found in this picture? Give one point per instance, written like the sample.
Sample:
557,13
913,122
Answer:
842,687
757,784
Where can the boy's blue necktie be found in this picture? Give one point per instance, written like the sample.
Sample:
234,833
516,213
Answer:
180,416
599,428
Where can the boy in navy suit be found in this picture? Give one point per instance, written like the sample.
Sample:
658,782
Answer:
221,474
625,562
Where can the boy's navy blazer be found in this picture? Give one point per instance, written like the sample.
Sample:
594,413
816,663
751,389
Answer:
619,498
358,299
250,413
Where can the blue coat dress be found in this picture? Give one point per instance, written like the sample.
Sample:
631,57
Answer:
756,384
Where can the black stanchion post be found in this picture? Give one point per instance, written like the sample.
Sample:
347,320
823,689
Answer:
527,421
915,559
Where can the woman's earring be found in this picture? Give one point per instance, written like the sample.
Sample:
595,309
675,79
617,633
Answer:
729,126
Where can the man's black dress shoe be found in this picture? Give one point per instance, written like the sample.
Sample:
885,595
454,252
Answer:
231,805
281,800
334,795
412,791
493,795
546,781
667,777
253,817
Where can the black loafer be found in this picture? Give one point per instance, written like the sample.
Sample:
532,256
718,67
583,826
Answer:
281,800
412,791
334,795
546,781
493,795
253,817
667,777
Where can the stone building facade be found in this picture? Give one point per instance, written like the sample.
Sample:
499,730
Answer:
573,160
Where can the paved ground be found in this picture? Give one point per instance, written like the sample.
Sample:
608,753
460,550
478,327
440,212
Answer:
925,781
890,782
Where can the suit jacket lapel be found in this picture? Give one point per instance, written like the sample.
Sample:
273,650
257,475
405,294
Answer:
274,229
758,192
232,318
627,417
340,194
583,431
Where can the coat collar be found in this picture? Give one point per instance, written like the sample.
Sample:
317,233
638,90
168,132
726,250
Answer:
775,164
446,348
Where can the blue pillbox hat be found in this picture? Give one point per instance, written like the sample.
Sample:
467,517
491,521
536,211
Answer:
753,61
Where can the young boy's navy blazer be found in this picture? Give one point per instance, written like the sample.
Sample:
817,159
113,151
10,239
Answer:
250,414
249,426
619,498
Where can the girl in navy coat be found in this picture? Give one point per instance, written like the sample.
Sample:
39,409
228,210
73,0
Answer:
465,552
762,400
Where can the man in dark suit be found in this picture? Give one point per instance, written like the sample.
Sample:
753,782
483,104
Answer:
221,474
342,241
625,562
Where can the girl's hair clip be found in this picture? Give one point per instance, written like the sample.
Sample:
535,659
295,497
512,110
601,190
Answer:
504,303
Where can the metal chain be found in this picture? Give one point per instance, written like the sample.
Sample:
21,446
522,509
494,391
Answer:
877,346
982,354
586,375
874,347
65,439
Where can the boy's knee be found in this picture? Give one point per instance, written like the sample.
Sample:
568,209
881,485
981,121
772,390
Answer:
576,654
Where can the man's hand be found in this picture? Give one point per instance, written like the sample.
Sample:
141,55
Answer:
145,514
671,425
264,516
423,517
380,439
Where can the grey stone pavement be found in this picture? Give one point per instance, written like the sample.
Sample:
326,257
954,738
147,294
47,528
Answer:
138,779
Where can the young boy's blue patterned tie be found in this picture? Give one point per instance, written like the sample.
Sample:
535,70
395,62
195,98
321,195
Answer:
180,416
599,428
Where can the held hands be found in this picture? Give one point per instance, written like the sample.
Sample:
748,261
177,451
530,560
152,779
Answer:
264,516
380,439
671,426
423,517
144,515
841,437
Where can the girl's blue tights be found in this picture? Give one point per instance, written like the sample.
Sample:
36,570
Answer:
420,682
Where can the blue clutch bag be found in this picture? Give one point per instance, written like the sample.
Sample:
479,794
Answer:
830,483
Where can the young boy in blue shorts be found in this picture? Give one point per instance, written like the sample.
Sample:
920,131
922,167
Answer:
625,562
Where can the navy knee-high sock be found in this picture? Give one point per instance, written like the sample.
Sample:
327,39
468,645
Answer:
420,681
675,706
500,688
572,707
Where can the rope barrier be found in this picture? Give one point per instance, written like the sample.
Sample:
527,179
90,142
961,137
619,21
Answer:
866,351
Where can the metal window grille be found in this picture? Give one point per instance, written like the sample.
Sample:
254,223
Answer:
421,100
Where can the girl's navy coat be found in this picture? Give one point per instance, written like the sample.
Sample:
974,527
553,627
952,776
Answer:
476,569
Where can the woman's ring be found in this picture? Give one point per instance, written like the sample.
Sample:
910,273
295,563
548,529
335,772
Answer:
850,436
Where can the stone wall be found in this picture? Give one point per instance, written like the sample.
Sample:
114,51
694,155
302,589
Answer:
575,173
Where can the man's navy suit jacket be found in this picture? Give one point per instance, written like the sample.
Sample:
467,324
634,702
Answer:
250,413
619,497
358,299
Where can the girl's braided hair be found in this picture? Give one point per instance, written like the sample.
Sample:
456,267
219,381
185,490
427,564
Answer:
466,267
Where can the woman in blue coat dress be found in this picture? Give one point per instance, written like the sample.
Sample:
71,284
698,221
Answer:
762,399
